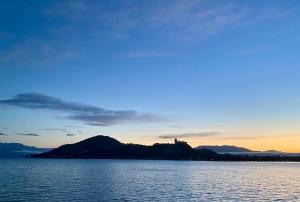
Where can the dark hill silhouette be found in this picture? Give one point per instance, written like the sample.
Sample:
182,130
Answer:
105,147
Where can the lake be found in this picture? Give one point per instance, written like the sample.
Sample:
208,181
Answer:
145,180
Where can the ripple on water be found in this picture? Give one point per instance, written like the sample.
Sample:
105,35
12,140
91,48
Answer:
137,180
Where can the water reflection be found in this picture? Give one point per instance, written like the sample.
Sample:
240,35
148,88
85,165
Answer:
137,180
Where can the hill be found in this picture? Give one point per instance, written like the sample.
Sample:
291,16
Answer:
104,147
17,150
224,149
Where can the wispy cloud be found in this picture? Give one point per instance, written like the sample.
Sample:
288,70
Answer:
71,126
255,137
13,53
55,129
112,19
70,134
163,23
43,52
3,134
243,137
176,20
195,19
249,51
96,124
189,135
28,134
88,114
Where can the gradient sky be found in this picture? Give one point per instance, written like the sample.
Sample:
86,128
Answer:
207,72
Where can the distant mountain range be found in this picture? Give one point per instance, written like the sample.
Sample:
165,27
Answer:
104,147
229,149
224,148
17,150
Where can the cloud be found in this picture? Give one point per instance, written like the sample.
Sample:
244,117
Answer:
87,114
256,137
195,19
39,101
73,26
28,134
244,137
96,124
3,134
189,135
112,19
13,53
44,52
218,135
249,51
177,20
70,134
71,126
55,129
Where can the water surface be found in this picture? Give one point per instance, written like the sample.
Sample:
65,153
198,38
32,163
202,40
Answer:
138,180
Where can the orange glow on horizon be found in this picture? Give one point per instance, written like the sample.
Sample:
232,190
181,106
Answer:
284,144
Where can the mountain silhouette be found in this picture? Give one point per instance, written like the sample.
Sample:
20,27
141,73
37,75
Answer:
104,147
224,148
17,150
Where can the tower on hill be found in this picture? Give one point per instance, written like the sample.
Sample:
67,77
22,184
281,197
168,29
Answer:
179,142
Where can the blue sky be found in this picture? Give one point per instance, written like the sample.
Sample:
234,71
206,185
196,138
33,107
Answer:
211,72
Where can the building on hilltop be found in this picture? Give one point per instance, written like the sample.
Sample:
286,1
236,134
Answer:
179,142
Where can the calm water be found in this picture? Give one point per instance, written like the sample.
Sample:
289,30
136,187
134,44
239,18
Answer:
133,180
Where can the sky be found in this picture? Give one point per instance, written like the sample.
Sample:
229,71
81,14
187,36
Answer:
207,72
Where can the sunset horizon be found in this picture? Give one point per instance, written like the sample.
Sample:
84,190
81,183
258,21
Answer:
64,134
